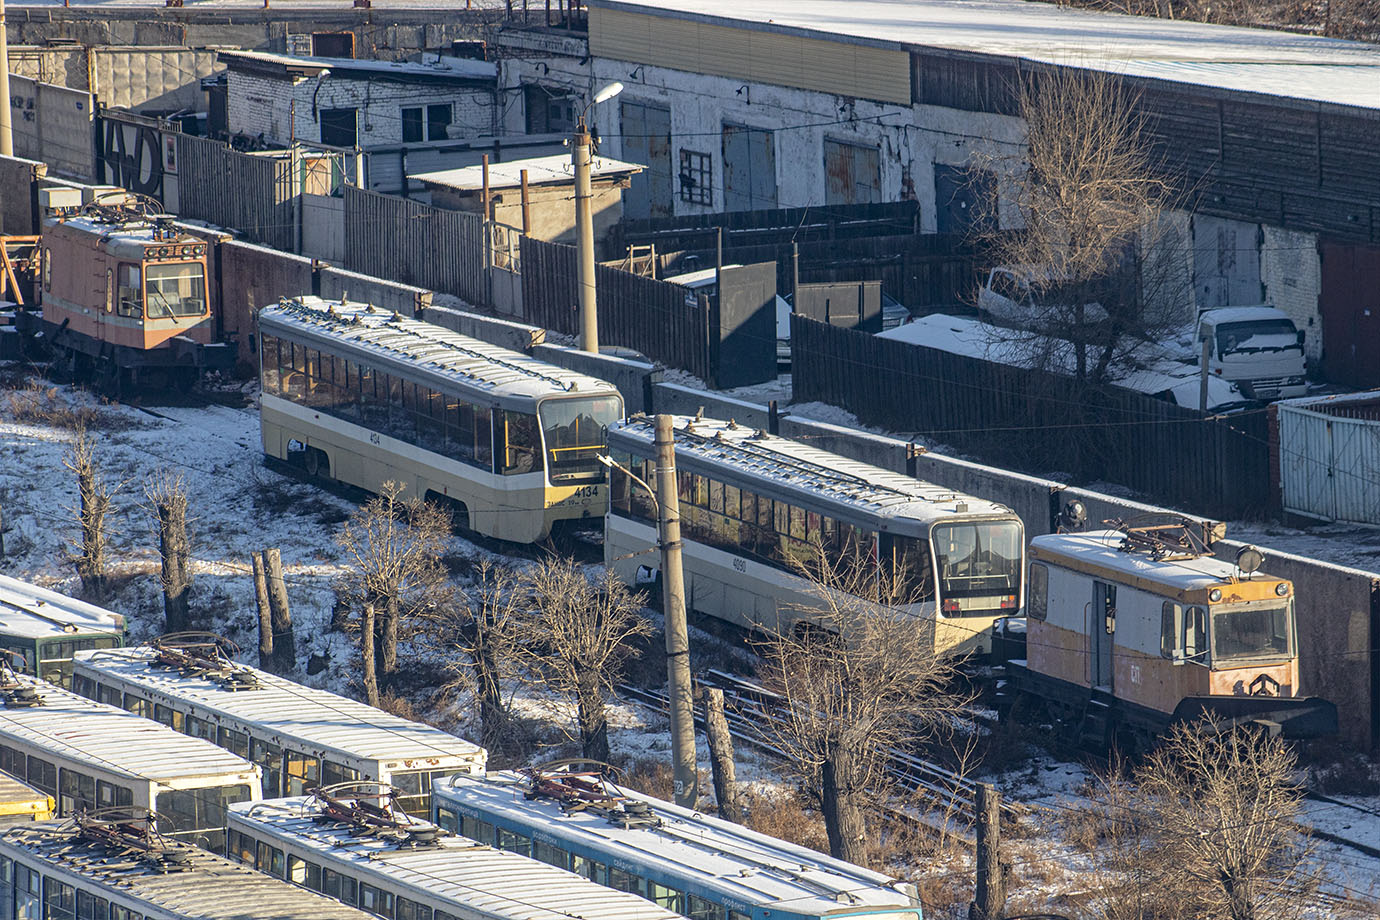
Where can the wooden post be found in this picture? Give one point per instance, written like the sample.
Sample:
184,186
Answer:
265,613
991,884
526,206
484,193
366,642
171,511
721,756
284,647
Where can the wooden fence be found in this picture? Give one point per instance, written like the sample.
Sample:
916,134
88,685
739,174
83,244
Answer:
251,193
652,317
1038,422
434,248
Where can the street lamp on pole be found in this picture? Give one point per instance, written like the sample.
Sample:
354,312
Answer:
584,222
667,501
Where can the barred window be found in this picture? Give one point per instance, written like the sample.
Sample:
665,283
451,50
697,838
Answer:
696,178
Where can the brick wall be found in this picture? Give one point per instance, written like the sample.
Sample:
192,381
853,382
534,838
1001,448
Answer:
273,107
1292,277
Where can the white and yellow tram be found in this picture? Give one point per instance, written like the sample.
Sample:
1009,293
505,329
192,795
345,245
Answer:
1128,633
754,507
364,396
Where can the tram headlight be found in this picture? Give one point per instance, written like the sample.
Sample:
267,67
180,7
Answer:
1215,595
1282,589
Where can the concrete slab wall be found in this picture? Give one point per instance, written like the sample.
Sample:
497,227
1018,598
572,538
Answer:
388,295
678,400
323,227
17,181
517,336
53,124
250,277
1336,608
634,379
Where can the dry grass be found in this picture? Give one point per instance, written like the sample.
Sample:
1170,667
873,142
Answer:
37,404
787,816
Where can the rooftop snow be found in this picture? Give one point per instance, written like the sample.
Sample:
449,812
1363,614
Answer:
795,468
540,171
1103,548
729,858
432,350
443,67
482,880
34,612
1228,57
288,710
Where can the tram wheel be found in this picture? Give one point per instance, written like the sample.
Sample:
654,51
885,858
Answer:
317,464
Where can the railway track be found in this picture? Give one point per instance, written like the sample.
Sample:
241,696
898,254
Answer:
750,707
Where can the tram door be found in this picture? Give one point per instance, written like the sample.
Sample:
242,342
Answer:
1103,627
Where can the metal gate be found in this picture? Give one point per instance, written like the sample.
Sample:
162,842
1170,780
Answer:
852,173
1350,306
647,140
749,168
1226,262
1329,466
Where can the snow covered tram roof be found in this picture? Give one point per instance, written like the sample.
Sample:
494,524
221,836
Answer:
206,887
38,613
286,712
1099,552
130,238
814,478
480,880
736,863
426,352
113,741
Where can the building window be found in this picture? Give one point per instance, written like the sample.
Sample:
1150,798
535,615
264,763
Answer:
548,112
430,122
696,179
338,127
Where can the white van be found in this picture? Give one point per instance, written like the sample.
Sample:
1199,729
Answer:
1257,348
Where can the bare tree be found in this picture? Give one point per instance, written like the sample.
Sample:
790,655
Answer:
862,678
1105,265
167,500
577,639
1205,828
94,496
396,546
482,623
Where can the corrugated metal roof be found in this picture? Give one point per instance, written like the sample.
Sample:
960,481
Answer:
1227,57
431,351
789,468
540,171
34,612
81,731
318,719
212,888
727,858
442,66
477,879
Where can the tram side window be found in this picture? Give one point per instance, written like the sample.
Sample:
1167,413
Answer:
332,773
550,854
596,872
514,842
90,907
43,775
109,794
233,741
626,881
111,696
447,819
78,791
6,888
1195,634
169,717
200,728
1037,594
270,758
301,872
83,686
269,859
240,846
137,705
338,886
669,898
129,293
303,773
698,908
269,376
410,910
12,761
520,440
475,829
124,913
376,901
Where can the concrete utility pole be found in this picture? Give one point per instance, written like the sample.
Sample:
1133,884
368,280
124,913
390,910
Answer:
686,773
6,128
584,223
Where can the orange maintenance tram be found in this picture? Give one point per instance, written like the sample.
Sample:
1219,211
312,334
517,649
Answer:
124,298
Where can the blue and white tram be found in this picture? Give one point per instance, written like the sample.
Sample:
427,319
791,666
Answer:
364,396
754,507
700,866
350,844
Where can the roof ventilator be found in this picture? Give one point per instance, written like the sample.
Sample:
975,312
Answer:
14,692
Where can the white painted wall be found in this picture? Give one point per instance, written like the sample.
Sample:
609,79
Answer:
283,109
1291,273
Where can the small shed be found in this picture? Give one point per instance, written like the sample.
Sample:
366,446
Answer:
550,194
1328,455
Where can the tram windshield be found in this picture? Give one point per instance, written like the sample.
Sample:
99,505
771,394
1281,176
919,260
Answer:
978,558
1243,632
173,290
574,431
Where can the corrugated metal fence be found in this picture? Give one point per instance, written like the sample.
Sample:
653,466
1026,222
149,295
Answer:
661,320
434,248
251,193
1037,422
1329,464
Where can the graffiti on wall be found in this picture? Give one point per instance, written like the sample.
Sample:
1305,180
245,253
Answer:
131,156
